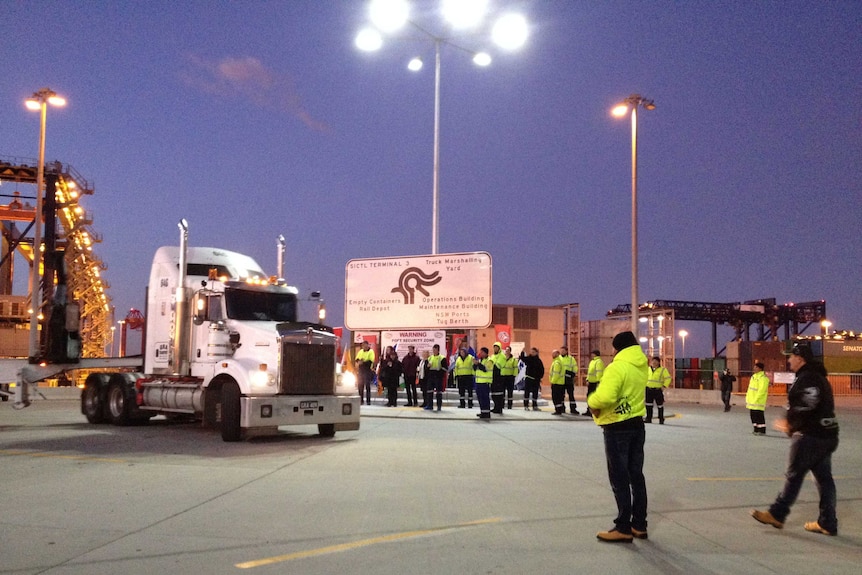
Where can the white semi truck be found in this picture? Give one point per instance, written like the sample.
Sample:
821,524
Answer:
222,344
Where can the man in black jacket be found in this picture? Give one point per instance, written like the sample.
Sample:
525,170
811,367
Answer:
726,387
813,429
534,371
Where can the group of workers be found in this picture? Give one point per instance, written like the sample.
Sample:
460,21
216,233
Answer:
491,375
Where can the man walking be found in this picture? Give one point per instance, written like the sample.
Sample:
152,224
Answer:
659,378
617,406
813,429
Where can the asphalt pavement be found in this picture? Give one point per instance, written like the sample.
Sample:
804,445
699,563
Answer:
410,492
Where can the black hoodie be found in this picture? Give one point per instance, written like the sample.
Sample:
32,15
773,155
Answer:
811,406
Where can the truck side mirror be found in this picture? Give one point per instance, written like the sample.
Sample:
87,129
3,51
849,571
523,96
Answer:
201,311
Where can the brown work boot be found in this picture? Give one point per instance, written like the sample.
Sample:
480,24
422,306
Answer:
814,527
614,536
767,518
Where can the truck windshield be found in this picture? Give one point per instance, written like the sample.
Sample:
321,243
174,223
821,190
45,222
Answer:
256,305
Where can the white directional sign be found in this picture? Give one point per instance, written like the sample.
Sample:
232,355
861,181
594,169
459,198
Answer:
418,292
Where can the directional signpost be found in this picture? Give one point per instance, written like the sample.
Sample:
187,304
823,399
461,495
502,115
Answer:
419,292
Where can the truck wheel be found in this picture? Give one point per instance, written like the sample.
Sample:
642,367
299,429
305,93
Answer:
91,404
326,429
230,430
117,404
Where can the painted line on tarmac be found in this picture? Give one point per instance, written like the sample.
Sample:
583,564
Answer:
752,478
362,543
10,452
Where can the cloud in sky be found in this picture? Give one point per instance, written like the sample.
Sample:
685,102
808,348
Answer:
247,78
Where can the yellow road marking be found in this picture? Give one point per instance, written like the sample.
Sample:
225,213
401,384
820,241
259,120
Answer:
59,456
361,543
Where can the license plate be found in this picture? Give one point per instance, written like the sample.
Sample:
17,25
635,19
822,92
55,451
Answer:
307,404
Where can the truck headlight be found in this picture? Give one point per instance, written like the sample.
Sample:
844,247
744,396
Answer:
347,379
262,378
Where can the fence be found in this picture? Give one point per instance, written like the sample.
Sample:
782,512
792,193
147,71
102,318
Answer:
842,383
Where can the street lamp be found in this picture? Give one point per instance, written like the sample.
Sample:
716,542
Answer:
682,335
631,104
509,32
826,324
39,101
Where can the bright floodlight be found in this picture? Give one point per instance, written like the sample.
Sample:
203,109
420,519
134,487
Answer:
55,100
369,40
482,59
464,13
415,64
389,15
510,31
621,110
32,104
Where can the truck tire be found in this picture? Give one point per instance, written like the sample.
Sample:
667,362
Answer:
230,429
91,404
117,404
326,429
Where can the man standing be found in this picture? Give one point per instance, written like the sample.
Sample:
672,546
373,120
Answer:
410,365
594,374
435,370
498,388
813,429
558,383
570,373
365,370
464,377
726,388
755,399
659,378
534,371
484,367
617,406
508,372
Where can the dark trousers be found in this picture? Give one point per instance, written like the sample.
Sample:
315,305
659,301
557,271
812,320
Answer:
498,394
624,450
509,387
531,388
410,390
758,420
558,396
465,387
725,397
392,393
483,394
365,385
570,391
809,453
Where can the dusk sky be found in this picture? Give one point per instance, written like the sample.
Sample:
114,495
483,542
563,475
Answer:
254,119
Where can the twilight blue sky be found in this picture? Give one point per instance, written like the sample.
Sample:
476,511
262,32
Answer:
253,119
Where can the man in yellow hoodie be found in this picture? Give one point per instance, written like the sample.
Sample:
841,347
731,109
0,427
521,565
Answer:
618,406
755,398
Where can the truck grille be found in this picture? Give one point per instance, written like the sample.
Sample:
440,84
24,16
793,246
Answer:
307,369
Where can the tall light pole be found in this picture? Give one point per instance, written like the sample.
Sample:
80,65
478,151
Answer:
682,335
388,16
631,104
39,101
